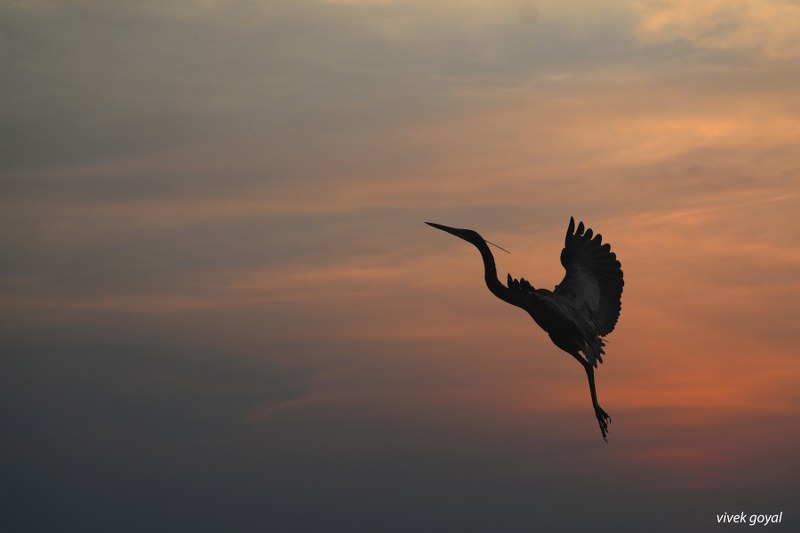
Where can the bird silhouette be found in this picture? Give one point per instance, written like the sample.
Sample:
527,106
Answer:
580,311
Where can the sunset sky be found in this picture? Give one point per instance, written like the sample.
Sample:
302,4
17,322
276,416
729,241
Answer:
220,309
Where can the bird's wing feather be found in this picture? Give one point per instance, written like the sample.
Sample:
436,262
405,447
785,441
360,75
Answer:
593,281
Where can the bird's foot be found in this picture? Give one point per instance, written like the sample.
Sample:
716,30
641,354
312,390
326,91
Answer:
603,419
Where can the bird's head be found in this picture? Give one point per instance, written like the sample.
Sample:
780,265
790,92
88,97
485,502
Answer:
466,234
472,237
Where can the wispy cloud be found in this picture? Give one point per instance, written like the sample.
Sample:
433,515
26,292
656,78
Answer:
766,29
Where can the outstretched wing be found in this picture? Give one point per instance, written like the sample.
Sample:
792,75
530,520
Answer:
593,282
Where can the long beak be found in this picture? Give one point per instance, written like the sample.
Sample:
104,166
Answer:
467,235
452,231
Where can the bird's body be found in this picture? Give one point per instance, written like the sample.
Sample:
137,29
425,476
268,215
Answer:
580,311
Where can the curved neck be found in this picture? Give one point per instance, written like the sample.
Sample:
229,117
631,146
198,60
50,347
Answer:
490,274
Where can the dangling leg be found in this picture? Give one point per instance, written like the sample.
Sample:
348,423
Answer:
602,417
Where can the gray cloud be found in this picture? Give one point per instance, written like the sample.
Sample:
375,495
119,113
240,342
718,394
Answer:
85,80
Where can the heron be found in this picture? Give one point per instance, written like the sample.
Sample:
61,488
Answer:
580,311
